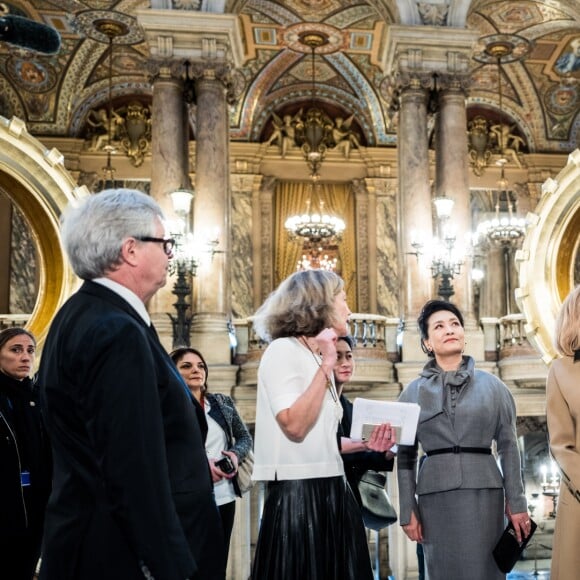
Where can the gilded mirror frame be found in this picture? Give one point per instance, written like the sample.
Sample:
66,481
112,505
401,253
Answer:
37,183
547,259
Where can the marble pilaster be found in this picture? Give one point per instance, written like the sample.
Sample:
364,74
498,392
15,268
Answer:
366,251
245,187
388,280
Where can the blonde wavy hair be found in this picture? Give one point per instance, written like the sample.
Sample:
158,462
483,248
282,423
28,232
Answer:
303,304
567,337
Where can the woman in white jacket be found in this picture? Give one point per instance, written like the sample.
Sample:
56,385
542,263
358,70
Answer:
311,525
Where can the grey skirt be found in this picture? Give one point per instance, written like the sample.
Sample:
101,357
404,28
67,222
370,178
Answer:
460,529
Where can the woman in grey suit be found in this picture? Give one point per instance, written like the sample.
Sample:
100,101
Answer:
455,505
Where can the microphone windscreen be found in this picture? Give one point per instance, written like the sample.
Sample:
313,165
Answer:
29,34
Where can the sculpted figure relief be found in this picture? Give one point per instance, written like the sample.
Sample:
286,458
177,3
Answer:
129,128
313,129
486,139
344,137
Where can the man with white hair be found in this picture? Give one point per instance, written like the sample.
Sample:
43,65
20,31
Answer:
132,494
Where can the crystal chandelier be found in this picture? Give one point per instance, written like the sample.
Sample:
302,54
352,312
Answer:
314,226
315,137
505,228
316,230
317,260
113,31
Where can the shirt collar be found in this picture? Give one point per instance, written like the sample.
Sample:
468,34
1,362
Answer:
127,295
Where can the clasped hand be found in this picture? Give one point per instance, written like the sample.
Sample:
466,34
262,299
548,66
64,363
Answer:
382,438
217,474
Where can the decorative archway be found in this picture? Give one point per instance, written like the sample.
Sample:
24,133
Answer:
549,255
36,181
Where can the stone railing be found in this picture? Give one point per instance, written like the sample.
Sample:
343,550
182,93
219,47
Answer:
9,320
377,335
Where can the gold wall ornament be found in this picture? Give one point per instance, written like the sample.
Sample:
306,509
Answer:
479,144
36,181
548,255
128,129
135,132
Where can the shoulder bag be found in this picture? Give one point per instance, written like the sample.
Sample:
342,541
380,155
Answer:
244,474
377,510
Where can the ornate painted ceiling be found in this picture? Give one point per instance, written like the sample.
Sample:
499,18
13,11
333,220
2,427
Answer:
541,94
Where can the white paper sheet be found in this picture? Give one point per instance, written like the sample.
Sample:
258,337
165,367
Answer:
402,416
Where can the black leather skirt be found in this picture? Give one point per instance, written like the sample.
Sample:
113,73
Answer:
311,529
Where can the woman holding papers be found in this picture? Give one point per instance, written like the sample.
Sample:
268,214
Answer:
356,456
563,409
456,504
311,525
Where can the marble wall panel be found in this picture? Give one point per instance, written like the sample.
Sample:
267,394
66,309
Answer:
23,267
242,262
387,260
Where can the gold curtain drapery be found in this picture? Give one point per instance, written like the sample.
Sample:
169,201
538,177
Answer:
291,198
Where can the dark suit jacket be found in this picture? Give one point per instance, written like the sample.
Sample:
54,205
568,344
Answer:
132,492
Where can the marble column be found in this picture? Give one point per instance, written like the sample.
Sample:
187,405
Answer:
212,218
415,220
169,166
452,180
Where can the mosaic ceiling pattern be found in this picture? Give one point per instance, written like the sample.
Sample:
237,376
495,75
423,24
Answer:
55,93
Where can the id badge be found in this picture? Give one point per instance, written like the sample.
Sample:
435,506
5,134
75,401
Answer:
25,478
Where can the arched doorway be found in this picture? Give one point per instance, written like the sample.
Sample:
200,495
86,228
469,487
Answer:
548,260
35,180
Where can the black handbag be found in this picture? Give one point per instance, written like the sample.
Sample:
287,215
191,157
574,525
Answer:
508,550
377,510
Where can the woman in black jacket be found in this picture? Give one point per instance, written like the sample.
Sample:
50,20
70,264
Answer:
228,438
356,457
25,474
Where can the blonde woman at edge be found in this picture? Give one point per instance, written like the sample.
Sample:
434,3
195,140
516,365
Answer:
311,526
563,415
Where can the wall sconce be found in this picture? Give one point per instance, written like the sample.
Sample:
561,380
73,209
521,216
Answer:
446,257
183,264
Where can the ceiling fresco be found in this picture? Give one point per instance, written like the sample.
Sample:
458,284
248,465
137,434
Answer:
54,94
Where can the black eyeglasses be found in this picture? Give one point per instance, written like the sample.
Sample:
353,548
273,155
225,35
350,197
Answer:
168,243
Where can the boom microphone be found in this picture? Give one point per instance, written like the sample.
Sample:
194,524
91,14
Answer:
29,34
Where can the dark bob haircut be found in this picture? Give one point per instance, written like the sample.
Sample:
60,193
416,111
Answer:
430,308
348,339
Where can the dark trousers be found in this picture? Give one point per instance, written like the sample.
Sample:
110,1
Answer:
227,513
19,556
